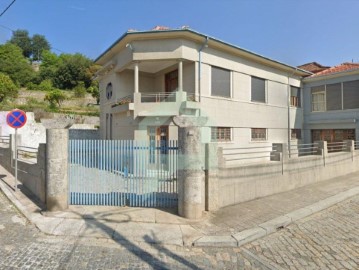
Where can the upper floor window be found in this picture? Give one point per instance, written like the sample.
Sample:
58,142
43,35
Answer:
109,91
333,96
295,96
318,98
221,82
259,134
351,95
258,90
221,134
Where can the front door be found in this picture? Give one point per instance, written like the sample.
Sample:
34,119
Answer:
158,146
171,81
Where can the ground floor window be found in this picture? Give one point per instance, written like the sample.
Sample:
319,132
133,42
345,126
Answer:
333,135
221,134
259,134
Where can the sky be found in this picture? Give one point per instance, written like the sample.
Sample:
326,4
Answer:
290,31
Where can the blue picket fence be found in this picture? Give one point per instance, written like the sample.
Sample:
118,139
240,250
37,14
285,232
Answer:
119,173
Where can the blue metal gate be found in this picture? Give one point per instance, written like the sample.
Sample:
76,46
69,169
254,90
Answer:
119,173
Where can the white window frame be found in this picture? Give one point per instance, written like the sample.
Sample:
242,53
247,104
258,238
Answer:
259,139
216,131
323,102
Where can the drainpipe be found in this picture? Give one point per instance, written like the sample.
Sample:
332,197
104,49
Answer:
204,45
289,129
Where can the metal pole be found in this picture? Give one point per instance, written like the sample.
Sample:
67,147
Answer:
15,159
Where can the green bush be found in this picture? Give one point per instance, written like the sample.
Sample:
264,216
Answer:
55,98
80,90
45,85
31,86
7,87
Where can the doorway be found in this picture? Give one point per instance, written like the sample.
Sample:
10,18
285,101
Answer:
171,81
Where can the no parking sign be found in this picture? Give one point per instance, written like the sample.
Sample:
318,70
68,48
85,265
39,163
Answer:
16,119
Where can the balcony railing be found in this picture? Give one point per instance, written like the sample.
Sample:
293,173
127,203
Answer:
124,100
158,97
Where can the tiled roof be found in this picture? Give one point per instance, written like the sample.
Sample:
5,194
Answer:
336,69
313,67
160,27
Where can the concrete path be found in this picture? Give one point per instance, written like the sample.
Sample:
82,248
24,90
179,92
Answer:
231,226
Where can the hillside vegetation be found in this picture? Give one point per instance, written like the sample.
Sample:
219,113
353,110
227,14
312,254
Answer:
44,80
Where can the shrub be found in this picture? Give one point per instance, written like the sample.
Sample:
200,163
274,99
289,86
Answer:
55,98
80,90
45,85
7,87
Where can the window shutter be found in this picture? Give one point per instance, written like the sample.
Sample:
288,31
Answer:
221,82
258,90
334,97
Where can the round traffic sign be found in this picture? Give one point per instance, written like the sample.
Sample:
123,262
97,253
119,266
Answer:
16,118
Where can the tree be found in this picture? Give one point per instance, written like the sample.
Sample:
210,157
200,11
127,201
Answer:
72,69
15,65
49,66
7,87
21,38
39,45
80,90
55,97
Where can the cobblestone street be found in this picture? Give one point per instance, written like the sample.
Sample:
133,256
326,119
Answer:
328,240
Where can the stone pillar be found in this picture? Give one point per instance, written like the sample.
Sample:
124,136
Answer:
349,145
136,83
212,159
191,177
56,169
180,75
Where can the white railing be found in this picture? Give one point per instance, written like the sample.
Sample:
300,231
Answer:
303,149
158,97
26,153
356,145
247,153
5,139
336,147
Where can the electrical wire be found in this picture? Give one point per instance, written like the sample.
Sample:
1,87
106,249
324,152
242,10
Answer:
2,13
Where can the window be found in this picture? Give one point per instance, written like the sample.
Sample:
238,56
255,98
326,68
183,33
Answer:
333,95
221,82
258,91
221,134
296,134
295,96
318,99
109,91
259,134
351,95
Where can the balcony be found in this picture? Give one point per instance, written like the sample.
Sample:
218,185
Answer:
156,104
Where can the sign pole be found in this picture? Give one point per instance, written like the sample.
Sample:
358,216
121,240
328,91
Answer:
15,159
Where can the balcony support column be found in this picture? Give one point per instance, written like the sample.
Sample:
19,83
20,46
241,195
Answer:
136,78
180,75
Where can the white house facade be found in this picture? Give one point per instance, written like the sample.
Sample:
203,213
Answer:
149,77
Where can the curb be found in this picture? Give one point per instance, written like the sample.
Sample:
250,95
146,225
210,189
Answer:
271,226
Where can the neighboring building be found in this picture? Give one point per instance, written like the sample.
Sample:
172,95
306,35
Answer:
149,77
331,104
313,67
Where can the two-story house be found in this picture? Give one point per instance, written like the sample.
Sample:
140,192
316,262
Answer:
331,104
147,77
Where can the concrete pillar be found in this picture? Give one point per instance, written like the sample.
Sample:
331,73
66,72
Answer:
56,169
180,75
280,152
322,149
211,173
136,83
349,145
191,177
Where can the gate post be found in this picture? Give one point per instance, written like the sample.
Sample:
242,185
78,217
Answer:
56,169
191,177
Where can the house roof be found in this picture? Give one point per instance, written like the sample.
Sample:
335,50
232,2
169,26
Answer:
344,67
165,32
313,67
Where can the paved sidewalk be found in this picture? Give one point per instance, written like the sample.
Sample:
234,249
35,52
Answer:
230,226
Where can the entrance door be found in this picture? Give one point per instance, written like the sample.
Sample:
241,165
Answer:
158,145
171,81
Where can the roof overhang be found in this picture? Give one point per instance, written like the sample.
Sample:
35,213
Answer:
332,75
199,38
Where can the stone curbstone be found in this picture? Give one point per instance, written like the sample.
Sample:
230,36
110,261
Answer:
249,235
275,224
216,241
